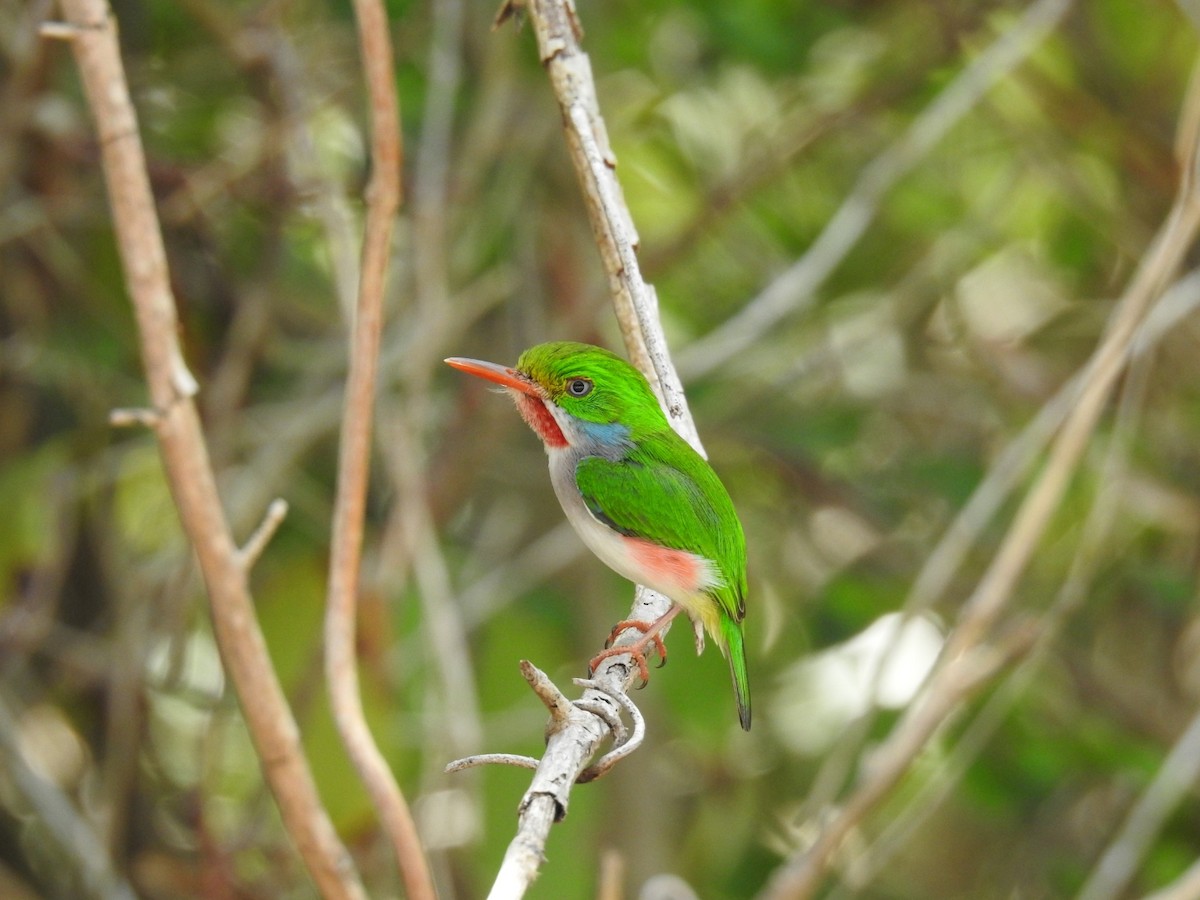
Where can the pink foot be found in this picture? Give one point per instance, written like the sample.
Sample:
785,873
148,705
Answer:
637,650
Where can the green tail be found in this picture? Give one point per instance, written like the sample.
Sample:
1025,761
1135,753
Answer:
735,650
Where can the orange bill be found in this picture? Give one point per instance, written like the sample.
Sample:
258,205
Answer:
503,375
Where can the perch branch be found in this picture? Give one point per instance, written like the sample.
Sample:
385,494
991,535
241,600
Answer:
341,663
576,730
185,456
573,736
944,688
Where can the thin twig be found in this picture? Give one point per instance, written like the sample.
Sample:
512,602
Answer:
491,759
276,512
127,417
341,663
185,457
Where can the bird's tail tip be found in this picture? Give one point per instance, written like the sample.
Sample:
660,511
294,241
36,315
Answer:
735,650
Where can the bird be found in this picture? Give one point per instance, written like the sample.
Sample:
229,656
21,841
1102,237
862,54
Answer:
641,497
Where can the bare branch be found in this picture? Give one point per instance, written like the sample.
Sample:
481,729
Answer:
185,457
576,730
341,663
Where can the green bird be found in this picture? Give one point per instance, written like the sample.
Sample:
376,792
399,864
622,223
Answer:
641,498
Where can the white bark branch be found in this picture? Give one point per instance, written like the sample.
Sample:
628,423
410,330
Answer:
577,729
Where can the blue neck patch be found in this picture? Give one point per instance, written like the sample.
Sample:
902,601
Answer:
608,435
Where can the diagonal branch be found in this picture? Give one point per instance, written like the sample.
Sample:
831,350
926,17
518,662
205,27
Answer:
341,664
185,457
950,681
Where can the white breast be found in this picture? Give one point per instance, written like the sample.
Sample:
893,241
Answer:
611,546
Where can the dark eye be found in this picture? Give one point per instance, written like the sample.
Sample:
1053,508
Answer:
579,387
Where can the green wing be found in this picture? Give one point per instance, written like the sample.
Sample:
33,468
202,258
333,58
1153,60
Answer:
665,492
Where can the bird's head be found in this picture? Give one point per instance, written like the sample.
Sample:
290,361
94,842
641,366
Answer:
573,394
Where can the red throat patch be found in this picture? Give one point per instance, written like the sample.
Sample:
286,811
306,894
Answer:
534,412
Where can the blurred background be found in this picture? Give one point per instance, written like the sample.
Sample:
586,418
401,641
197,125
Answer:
851,430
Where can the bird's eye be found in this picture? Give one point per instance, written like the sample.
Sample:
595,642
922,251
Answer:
579,387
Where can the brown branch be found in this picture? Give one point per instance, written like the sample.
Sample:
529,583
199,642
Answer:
341,664
947,685
185,457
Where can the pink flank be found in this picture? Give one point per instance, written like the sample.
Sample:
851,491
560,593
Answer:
534,412
665,568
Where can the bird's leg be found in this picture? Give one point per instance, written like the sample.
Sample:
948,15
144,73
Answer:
651,634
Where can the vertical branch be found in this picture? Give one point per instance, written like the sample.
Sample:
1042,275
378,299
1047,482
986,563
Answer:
577,729
341,664
634,301
185,457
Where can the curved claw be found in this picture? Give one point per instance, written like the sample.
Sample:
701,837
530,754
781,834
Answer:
633,651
